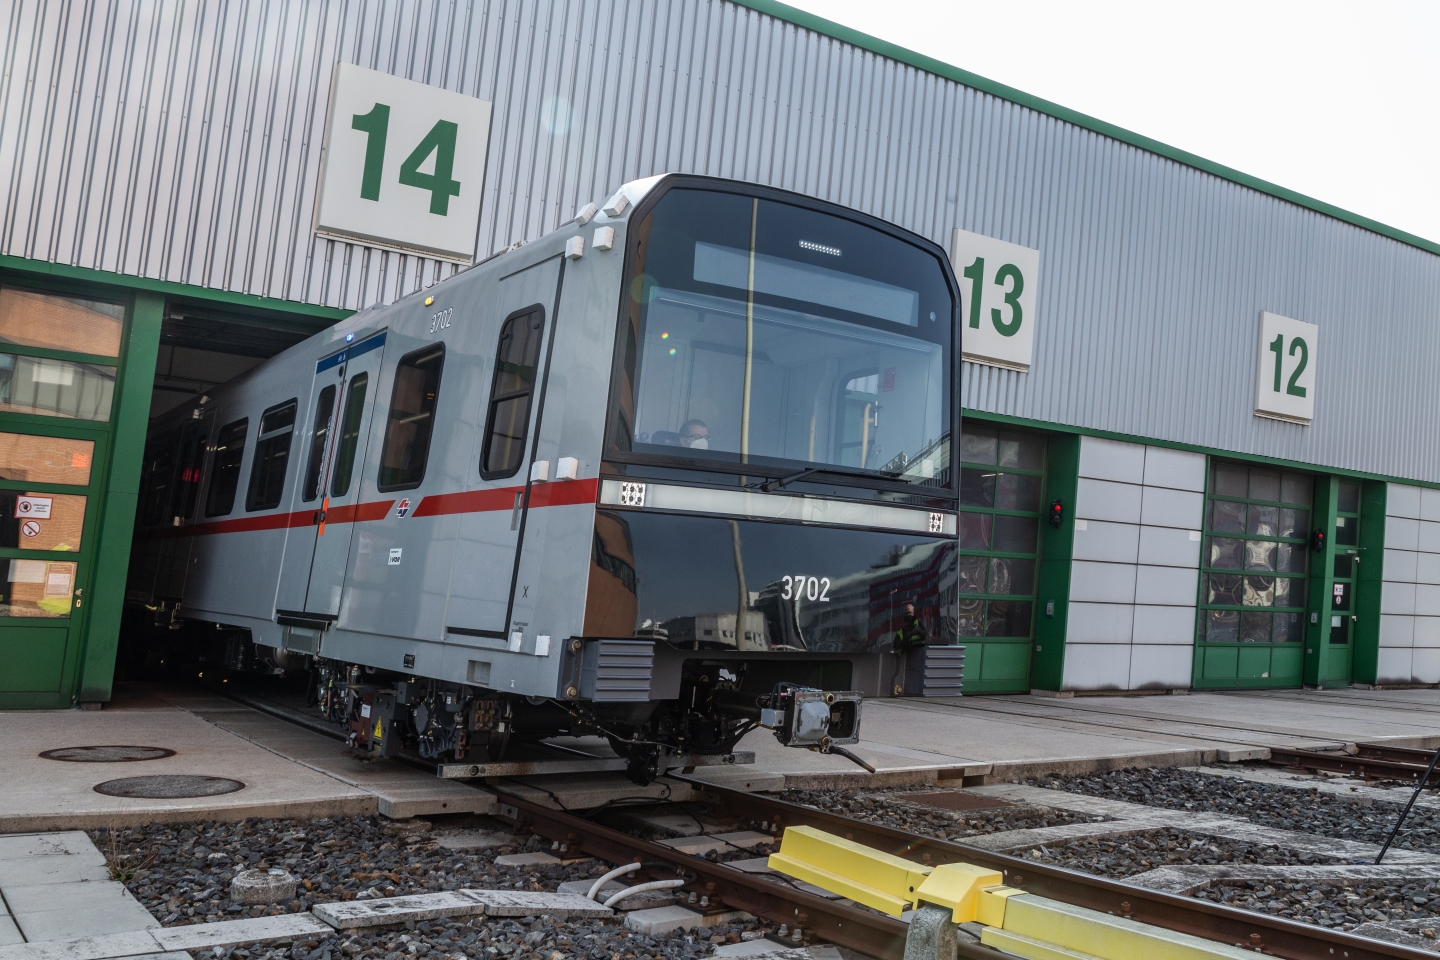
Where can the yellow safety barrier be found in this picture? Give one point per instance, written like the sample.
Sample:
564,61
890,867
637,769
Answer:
1015,921
850,869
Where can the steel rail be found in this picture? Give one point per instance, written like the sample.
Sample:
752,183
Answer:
1370,767
1270,935
858,928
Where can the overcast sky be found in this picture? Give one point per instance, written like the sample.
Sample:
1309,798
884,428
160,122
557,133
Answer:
1340,102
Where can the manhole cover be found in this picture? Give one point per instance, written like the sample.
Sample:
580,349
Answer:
168,787
107,754
953,800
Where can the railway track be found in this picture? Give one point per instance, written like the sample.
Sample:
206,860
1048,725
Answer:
882,936
1372,761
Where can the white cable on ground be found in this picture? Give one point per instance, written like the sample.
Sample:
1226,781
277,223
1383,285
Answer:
625,868
642,888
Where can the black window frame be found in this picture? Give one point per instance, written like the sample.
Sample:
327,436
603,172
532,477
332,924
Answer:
345,450
266,450
411,359
157,488
497,399
616,448
320,433
217,482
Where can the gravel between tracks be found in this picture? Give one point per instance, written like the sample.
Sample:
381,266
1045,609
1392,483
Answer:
1119,857
886,808
1288,808
1333,905
181,873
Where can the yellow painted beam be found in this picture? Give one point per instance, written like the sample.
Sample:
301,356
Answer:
990,905
1013,943
1089,932
957,886
853,870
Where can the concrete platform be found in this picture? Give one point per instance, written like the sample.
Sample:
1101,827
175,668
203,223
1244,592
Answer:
287,771
987,739
292,771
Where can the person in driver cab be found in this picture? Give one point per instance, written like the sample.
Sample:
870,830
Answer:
695,435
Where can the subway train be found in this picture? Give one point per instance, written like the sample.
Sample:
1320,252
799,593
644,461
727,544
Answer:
679,469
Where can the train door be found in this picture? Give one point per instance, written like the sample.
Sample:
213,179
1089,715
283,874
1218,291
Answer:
189,463
493,512
342,400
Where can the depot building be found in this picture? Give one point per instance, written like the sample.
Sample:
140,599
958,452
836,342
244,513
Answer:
1194,445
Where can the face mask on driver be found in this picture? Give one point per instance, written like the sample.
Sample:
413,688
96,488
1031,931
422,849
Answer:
698,443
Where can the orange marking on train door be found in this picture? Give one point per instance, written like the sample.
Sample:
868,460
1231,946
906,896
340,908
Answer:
324,505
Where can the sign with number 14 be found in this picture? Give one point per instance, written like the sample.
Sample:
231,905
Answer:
1285,380
404,164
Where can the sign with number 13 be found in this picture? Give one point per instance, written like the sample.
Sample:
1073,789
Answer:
404,164
997,299
1285,380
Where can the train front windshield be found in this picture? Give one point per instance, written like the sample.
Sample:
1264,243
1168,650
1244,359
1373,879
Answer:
760,332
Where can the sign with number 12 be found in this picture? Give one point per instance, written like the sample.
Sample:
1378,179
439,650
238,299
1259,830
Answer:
404,164
1285,380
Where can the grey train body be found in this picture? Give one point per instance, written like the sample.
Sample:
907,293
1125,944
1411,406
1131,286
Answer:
461,551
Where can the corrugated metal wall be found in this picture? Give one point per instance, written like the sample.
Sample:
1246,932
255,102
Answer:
182,141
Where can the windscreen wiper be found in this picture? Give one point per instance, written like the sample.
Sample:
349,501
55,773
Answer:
775,483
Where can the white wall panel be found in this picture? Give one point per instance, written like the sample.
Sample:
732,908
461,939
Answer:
1170,547
1402,500
1155,666
1394,665
1104,500
1112,542
1397,598
1102,582
1099,623
1178,469
1172,625
1097,666
1425,665
1112,460
1162,507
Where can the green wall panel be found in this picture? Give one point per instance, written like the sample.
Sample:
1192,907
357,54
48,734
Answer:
1057,547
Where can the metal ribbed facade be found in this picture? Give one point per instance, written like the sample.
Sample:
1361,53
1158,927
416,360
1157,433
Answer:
181,141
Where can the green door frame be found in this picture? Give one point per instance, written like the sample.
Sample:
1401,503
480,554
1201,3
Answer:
94,624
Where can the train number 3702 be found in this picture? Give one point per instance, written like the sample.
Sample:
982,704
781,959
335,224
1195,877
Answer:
808,588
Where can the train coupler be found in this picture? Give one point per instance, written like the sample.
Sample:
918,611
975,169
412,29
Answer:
819,720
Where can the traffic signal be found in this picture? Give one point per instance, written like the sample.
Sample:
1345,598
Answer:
1057,513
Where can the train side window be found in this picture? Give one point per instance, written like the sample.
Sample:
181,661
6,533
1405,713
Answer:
324,407
159,476
349,435
192,461
225,468
272,457
508,419
412,418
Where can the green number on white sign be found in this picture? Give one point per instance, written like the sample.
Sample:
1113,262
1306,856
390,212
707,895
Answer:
975,273
1277,347
375,124
440,141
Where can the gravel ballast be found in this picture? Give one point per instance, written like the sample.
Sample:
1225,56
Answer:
1287,808
1334,905
181,873
1125,856
886,808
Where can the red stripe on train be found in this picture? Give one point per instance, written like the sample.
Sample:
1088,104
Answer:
560,493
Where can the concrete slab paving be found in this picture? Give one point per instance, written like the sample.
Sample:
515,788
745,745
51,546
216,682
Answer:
1004,737
45,794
